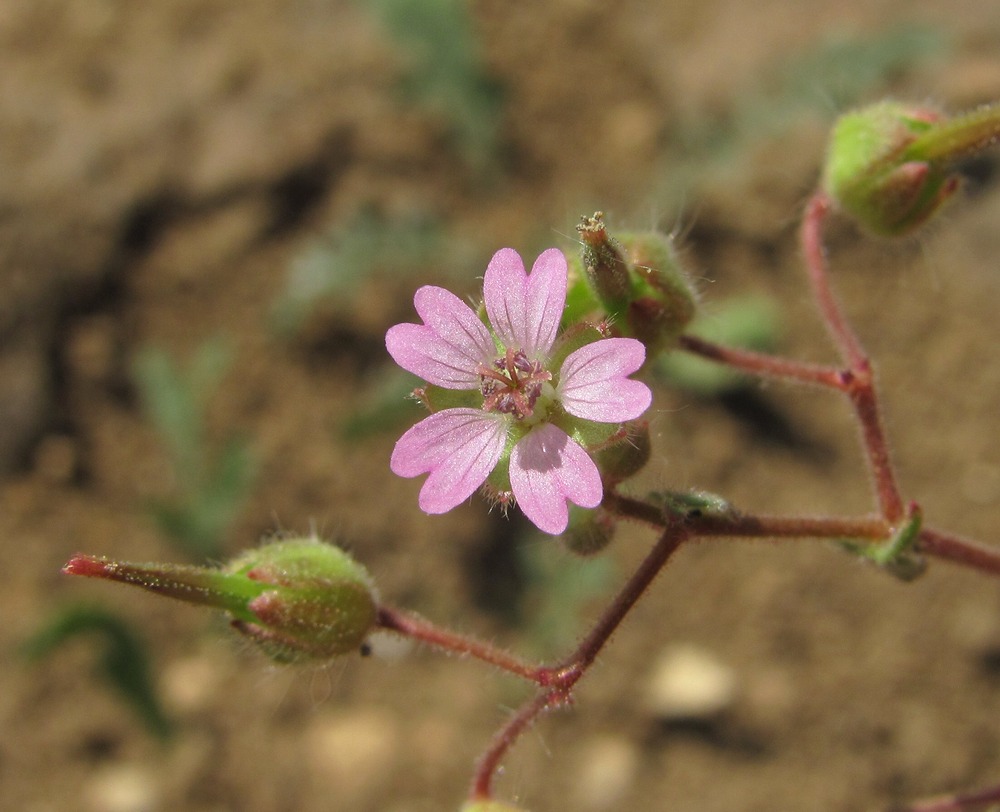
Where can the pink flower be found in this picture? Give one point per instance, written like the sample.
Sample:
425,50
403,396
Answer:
520,408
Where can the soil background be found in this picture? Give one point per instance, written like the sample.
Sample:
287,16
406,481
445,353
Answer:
162,168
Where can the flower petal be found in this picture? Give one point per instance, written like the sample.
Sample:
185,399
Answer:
546,469
593,382
525,310
458,447
448,348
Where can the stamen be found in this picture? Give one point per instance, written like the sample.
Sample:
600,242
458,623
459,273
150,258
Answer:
512,384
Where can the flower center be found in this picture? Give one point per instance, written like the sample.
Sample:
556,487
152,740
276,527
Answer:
512,384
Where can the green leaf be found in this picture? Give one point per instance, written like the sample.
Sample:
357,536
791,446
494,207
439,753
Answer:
750,323
123,662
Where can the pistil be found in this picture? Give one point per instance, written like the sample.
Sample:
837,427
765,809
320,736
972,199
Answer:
512,385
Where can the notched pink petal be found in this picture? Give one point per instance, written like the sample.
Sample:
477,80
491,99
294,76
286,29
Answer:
448,348
547,468
593,382
525,310
457,447
453,320
503,294
546,300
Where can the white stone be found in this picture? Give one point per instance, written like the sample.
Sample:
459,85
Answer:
687,682
607,770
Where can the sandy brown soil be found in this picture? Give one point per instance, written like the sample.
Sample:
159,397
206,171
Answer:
163,164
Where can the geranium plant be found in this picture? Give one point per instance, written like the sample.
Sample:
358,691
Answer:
535,398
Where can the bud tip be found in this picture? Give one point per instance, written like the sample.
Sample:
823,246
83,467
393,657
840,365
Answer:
88,566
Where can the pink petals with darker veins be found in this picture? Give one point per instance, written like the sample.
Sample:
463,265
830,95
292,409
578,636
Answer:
524,310
460,447
447,349
547,468
594,382
457,447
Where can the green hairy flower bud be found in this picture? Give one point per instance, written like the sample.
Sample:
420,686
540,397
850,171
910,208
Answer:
890,165
639,282
589,531
604,264
664,301
626,454
298,599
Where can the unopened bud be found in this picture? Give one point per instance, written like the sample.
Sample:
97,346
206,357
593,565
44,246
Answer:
298,599
589,531
604,264
665,300
625,455
890,165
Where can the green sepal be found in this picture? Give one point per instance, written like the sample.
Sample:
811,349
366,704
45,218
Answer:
625,455
589,530
437,398
693,504
579,335
664,300
898,555
587,433
581,303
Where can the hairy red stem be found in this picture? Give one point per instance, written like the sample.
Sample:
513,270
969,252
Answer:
859,380
762,364
445,640
558,681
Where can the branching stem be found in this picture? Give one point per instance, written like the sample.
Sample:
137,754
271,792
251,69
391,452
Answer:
555,683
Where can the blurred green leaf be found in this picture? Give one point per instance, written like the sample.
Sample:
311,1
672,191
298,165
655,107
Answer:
559,587
445,72
386,406
212,482
750,323
333,269
123,663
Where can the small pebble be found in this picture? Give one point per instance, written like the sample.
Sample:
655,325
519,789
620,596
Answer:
353,752
607,769
121,788
189,684
687,682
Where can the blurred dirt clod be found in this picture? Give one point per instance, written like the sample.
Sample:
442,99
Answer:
608,766
122,788
688,682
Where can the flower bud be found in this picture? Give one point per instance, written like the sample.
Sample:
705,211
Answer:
298,599
604,264
639,282
889,165
664,301
689,505
626,455
589,531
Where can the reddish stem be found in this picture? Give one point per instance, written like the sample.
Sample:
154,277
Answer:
770,366
489,762
936,543
953,803
445,640
859,380
746,525
812,245
558,681
959,550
